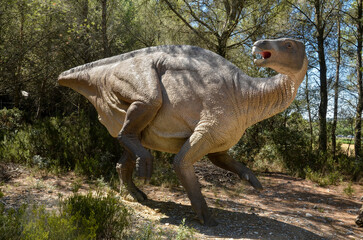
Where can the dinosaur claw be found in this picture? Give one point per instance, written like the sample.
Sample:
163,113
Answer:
252,179
255,183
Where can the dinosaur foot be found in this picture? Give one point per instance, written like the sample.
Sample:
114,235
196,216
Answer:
134,195
210,222
138,195
249,176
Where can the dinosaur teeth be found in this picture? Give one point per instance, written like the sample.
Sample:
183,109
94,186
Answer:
258,56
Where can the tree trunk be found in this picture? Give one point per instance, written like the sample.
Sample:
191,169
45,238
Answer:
323,81
336,95
358,118
18,73
106,48
309,111
86,55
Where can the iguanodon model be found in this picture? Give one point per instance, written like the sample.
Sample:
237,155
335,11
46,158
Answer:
189,101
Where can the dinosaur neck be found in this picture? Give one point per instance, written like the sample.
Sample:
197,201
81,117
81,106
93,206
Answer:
269,96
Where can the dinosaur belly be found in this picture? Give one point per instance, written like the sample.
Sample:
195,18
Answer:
166,134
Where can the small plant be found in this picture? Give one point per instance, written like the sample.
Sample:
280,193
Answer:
39,184
107,214
101,183
184,232
148,232
321,210
349,190
76,185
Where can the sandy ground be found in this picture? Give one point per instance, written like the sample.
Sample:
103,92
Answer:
348,149
287,208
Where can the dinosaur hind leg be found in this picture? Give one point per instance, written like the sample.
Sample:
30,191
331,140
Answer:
124,168
223,160
138,116
192,151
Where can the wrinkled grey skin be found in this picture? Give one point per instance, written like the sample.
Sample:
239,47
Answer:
189,101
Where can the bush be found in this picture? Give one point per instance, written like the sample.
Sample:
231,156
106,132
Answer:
10,120
80,217
10,223
75,142
323,179
104,214
292,143
40,224
280,140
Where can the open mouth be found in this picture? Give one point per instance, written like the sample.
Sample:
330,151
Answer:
261,56
265,54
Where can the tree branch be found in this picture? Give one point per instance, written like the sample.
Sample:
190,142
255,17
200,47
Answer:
187,23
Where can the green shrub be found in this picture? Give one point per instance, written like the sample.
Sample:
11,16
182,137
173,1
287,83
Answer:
323,179
10,120
106,214
11,223
184,232
79,217
40,224
148,231
72,142
349,190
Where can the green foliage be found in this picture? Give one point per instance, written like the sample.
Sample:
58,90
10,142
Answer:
72,142
10,223
148,231
282,139
184,232
10,120
163,173
106,214
349,190
323,179
282,143
40,224
79,217
291,142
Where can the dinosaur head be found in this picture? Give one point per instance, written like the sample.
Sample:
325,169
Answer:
283,55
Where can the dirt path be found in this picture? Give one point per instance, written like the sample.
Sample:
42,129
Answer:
288,207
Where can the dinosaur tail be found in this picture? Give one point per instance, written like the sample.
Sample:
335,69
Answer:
70,78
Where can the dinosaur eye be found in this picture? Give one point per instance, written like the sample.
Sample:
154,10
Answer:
288,45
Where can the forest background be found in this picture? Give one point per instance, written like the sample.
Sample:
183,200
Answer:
56,128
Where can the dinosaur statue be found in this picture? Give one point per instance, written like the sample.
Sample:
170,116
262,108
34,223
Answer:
189,101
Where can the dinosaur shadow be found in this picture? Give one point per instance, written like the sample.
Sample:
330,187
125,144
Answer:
231,224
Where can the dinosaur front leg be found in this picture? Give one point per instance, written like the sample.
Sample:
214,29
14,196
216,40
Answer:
138,116
193,150
124,168
225,161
